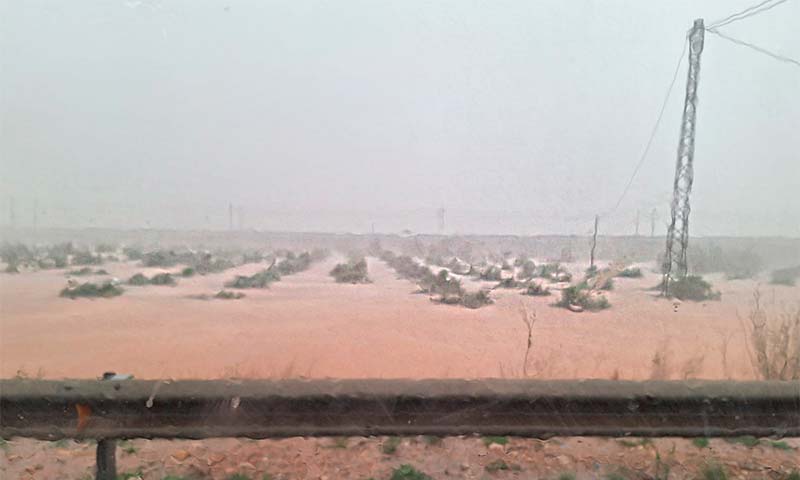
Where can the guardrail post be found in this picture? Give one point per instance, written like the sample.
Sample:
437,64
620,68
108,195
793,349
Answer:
107,447
106,459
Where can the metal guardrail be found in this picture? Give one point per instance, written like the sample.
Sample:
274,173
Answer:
112,409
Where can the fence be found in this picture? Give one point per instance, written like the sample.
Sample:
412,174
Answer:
108,410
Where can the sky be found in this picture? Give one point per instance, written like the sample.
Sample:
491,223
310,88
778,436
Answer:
516,117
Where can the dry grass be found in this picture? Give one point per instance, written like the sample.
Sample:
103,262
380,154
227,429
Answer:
774,340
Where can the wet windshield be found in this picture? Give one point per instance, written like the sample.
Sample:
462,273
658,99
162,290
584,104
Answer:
401,191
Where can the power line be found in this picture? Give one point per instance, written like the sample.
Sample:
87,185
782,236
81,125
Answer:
756,48
747,12
655,129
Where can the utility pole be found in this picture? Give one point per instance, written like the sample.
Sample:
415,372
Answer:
594,243
675,262
653,223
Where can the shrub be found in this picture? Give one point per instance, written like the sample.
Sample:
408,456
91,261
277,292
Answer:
261,279
226,295
785,276
443,284
80,272
527,271
294,264
104,290
491,273
581,296
389,447
160,258
692,287
630,272
476,299
86,258
188,272
133,253
508,283
138,280
105,248
101,271
163,279
354,271
537,290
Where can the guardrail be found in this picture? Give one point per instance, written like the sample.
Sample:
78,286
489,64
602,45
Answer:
113,409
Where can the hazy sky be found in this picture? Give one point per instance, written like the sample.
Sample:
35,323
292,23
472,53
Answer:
516,116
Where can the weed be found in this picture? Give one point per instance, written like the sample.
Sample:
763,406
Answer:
389,447
3,444
498,440
238,476
129,475
566,476
700,442
780,445
714,472
775,339
60,443
407,472
432,440
746,440
339,442
500,464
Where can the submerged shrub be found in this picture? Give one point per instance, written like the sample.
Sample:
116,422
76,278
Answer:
138,280
226,295
630,272
785,276
163,279
692,287
104,290
354,271
537,290
261,279
580,296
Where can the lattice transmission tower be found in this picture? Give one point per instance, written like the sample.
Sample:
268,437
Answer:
675,257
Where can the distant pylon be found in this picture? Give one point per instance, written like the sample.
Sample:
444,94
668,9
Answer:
675,261
653,223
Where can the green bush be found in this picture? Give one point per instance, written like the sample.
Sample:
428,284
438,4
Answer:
509,283
354,271
104,290
491,273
